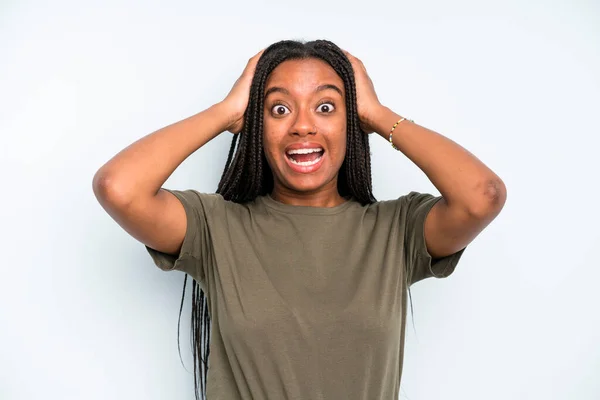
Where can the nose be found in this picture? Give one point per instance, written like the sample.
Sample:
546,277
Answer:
303,124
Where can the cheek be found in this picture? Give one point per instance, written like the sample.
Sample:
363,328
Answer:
338,148
270,146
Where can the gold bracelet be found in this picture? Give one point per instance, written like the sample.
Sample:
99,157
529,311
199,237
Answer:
394,127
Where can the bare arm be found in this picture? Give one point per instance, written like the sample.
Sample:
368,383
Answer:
129,185
139,170
473,195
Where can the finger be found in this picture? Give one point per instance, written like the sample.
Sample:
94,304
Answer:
350,56
254,58
252,62
257,56
354,60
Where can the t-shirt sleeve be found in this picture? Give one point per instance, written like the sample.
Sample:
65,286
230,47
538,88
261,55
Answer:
419,263
196,249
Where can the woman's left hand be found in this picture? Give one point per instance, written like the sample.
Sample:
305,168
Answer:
366,98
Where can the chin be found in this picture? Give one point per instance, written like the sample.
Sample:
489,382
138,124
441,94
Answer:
307,184
303,184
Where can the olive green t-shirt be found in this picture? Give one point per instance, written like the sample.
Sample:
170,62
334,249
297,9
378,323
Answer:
305,302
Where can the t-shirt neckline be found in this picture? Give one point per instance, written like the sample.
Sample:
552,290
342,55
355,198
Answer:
292,209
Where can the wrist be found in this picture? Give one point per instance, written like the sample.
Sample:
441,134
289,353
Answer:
226,115
382,121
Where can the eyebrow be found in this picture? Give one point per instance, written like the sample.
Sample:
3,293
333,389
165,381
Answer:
318,89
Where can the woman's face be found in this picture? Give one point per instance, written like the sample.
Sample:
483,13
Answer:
304,131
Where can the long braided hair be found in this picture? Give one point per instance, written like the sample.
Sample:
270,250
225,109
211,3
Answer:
248,175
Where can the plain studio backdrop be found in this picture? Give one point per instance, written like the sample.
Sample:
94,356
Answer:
85,314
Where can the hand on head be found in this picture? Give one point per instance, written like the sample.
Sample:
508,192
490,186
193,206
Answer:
367,102
237,99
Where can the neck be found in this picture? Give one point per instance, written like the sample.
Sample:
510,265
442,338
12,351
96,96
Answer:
324,197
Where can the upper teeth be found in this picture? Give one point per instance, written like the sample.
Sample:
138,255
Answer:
304,151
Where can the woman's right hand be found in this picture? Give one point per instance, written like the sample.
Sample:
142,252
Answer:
236,101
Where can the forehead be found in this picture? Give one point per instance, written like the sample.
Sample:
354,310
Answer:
305,74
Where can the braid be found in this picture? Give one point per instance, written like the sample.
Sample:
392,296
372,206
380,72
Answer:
231,150
247,174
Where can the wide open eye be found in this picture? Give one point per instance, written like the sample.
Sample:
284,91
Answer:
280,109
326,107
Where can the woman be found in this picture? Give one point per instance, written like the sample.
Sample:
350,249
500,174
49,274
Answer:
300,275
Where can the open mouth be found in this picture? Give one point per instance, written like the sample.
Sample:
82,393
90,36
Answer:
305,157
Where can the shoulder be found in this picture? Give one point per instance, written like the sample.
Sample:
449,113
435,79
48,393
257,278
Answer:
404,206
196,199
216,202
418,202
414,199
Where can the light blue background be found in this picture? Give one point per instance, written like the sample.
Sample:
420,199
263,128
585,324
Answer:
84,314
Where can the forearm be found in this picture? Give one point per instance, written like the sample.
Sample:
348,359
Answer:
462,179
142,168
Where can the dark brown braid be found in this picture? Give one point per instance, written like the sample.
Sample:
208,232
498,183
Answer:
247,174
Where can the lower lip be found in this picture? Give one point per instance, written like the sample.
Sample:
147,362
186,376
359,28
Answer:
304,169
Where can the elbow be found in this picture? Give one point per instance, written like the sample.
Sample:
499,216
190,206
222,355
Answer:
489,200
108,190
